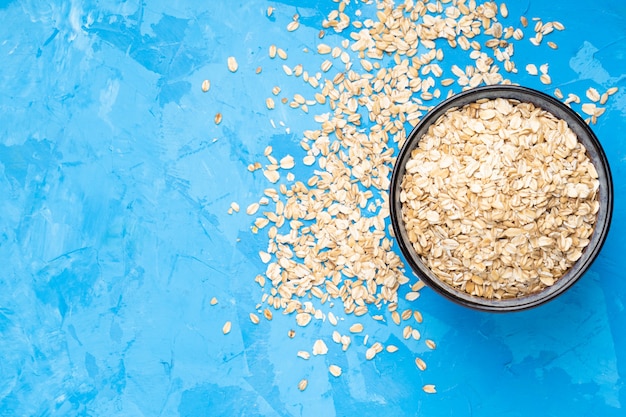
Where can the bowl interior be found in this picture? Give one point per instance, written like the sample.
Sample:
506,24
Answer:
594,151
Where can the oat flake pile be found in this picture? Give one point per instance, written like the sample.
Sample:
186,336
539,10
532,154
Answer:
499,198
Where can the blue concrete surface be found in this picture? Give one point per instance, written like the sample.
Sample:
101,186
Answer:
114,233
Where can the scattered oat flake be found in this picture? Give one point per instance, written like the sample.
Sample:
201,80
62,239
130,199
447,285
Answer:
303,384
213,301
218,118
589,108
420,364
429,389
395,317
412,296
270,11
592,94
254,318
356,328
326,65
265,257
406,332
332,319
302,319
360,310
293,25
418,285
232,64
206,85
572,98
604,98
252,208
431,344
226,327
345,342
532,69
260,279
558,94
271,175
417,316
303,354
504,11
319,347
334,370
391,348
323,49
287,162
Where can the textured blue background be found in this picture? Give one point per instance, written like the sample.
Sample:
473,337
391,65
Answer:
114,233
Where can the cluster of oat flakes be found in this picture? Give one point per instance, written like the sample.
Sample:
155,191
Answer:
328,234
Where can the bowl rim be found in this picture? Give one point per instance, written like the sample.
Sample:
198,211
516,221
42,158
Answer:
595,153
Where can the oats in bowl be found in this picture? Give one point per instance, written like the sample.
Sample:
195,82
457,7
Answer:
495,199
499,198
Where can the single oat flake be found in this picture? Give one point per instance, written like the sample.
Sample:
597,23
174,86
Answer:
429,389
226,327
334,370
303,384
232,64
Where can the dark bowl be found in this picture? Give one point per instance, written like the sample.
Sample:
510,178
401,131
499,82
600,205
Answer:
595,153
